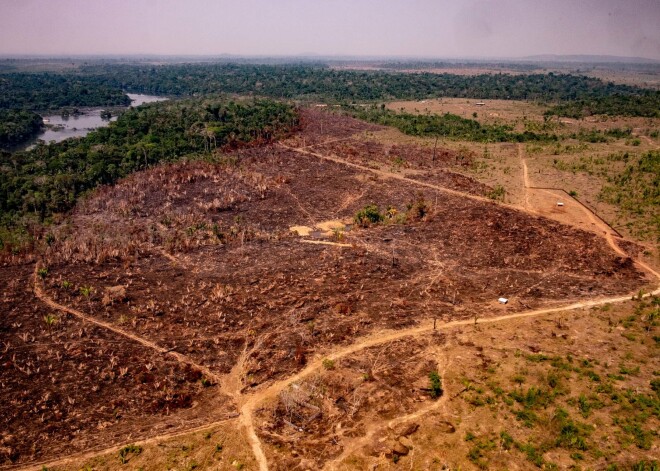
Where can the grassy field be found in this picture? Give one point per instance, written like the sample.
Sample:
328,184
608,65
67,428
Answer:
580,391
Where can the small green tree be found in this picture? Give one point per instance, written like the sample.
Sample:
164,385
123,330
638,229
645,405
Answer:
368,215
129,450
497,193
435,384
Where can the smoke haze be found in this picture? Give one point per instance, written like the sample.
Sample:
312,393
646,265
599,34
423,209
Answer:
429,28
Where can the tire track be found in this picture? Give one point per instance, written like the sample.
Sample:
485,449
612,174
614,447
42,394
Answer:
103,450
249,402
388,336
180,358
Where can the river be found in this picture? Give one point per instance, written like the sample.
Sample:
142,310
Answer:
58,128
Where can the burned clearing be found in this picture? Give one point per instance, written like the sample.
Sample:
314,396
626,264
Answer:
71,385
375,385
198,258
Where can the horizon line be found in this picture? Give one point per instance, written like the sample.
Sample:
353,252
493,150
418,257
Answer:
363,57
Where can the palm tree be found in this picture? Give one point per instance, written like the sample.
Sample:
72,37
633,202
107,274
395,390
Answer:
202,130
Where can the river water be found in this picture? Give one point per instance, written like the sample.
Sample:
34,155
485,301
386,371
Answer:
59,128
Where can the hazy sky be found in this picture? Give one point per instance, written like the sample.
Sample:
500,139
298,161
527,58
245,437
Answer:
437,28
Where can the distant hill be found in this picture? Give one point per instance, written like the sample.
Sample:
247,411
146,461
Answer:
585,58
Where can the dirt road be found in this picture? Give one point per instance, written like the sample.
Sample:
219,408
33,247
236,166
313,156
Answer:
43,297
248,403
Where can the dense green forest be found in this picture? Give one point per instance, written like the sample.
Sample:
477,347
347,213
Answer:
22,94
104,85
322,83
448,126
47,91
49,178
18,125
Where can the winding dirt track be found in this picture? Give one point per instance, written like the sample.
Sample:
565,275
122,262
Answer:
525,177
103,449
602,228
248,403
358,442
325,242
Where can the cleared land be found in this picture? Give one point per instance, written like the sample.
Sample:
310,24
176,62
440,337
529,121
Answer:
586,162
490,112
184,300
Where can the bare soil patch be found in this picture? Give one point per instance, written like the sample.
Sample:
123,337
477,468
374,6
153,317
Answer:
198,258
69,386
426,164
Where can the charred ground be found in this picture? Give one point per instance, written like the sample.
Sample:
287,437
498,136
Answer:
207,266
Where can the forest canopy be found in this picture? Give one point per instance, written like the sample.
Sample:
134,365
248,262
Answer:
106,85
23,94
347,86
48,91
18,125
49,178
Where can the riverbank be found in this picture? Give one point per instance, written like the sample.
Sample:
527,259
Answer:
58,127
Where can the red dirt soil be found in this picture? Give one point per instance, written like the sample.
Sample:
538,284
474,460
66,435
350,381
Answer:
75,385
307,424
211,270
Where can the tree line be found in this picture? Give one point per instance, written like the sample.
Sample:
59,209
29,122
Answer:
316,82
449,126
106,84
18,126
49,91
24,94
47,180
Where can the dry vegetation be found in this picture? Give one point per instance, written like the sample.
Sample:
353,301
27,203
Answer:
198,260
576,390
574,164
312,420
